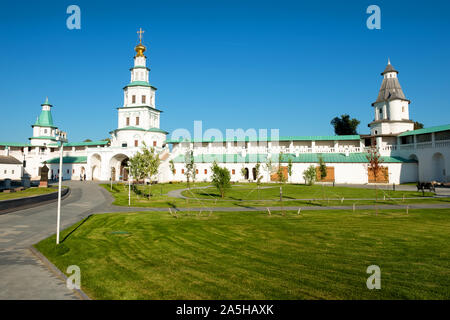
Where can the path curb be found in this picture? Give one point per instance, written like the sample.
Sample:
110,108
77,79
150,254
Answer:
57,272
7,206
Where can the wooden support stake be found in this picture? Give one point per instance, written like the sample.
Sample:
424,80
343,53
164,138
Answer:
407,209
354,208
299,211
268,210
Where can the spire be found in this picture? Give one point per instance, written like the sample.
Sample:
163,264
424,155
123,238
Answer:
46,103
390,87
389,68
140,48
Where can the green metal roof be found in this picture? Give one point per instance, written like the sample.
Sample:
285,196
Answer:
255,139
45,119
302,158
14,144
69,160
43,138
46,103
81,144
142,129
426,130
139,83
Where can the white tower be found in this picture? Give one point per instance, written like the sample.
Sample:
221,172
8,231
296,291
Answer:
138,118
391,107
43,128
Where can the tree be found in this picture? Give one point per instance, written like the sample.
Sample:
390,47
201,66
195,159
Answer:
258,176
290,167
87,140
172,166
151,164
322,173
310,175
280,172
137,169
374,158
107,140
268,166
220,178
344,125
190,167
243,171
418,125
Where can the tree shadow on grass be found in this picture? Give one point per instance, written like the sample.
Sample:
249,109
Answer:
75,229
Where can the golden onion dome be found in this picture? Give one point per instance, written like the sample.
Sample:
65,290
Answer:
140,49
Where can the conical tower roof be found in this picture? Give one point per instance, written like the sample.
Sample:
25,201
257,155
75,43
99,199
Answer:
390,87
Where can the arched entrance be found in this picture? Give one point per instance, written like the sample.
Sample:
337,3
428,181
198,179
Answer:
246,175
96,162
438,165
118,164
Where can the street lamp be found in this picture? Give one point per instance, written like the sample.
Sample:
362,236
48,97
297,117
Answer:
62,137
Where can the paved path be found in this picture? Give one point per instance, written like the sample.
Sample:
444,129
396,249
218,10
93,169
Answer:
23,276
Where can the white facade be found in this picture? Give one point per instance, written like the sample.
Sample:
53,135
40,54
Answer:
410,155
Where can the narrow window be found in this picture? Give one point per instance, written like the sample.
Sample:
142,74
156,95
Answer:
174,171
182,171
403,109
196,171
12,171
135,143
67,171
128,121
73,171
137,121
133,99
233,171
206,171
154,143
143,99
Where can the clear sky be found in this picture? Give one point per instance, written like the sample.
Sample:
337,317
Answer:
288,65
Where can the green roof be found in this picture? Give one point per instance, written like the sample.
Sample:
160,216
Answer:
139,67
69,160
14,144
140,84
46,103
426,130
142,129
255,139
43,138
304,157
45,119
80,144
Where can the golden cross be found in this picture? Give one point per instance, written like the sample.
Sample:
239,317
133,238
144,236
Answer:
140,34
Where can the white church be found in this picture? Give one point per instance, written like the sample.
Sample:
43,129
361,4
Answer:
408,155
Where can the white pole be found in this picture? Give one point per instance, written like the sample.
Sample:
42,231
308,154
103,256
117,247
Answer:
59,194
129,187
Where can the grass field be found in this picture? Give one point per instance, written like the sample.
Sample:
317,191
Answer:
26,193
251,255
268,195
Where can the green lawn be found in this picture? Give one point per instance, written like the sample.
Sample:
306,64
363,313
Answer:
268,195
251,255
26,193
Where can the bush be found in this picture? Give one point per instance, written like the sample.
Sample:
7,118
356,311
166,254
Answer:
310,175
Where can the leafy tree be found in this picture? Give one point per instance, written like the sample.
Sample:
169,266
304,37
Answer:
87,140
243,171
268,166
322,173
418,125
172,166
374,158
151,164
289,168
258,175
280,172
310,175
137,169
344,125
220,178
190,167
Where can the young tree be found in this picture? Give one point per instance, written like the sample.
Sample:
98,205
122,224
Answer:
344,125
220,178
322,173
172,167
268,166
418,125
280,177
310,175
258,176
289,168
190,167
374,166
137,169
151,164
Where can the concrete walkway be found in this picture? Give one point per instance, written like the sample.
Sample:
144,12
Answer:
23,276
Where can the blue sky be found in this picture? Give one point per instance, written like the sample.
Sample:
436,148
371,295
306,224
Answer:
288,65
